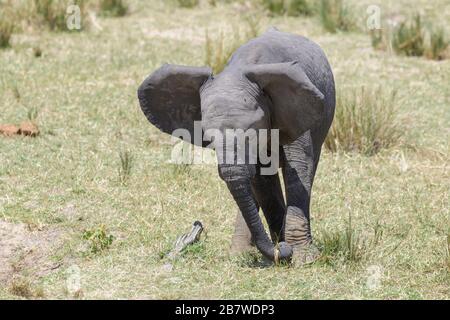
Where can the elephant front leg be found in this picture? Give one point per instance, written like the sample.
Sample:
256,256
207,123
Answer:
298,172
269,195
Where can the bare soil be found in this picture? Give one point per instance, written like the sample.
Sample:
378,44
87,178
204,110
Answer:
25,251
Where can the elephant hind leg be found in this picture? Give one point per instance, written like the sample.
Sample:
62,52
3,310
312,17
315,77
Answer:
241,241
299,166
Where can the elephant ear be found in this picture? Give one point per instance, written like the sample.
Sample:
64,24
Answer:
170,98
297,104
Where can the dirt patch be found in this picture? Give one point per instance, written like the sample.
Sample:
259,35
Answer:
9,130
25,251
29,128
26,128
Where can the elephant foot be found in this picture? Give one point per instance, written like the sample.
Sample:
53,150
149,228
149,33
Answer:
240,244
298,235
305,254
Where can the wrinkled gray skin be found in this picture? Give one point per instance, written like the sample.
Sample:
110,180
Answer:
276,81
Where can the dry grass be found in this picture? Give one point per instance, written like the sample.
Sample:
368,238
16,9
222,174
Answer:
336,15
219,50
114,8
126,165
22,287
188,3
413,38
84,86
365,121
288,7
409,38
438,44
6,28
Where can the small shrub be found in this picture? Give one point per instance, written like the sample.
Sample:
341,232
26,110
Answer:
334,15
114,8
219,50
126,164
98,239
365,121
288,7
408,38
6,28
188,3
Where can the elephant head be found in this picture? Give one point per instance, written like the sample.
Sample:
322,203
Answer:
264,96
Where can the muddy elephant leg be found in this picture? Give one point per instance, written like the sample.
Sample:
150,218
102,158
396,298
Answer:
269,195
299,166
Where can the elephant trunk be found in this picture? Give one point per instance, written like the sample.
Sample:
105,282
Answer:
238,180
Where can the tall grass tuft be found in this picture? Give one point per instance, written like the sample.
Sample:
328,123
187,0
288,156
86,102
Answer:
288,7
378,39
365,121
335,15
346,244
6,27
114,8
53,13
126,165
438,44
409,38
220,49
412,38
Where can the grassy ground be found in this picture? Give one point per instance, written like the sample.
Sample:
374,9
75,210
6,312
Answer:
67,180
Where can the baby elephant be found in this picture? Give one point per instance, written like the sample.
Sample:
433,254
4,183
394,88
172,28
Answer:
278,83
